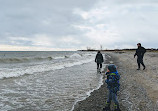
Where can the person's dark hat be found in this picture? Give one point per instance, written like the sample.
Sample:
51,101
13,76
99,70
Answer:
98,51
139,44
112,68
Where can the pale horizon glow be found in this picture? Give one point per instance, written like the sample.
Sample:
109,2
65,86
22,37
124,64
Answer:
57,25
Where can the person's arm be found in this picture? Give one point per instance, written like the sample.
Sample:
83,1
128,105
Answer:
96,58
144,50
118,77
102,58
135,54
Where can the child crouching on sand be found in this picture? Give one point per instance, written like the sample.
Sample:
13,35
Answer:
113,86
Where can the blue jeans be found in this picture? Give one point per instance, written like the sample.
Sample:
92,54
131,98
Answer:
112,97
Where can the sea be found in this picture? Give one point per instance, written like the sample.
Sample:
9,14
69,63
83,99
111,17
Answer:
46,80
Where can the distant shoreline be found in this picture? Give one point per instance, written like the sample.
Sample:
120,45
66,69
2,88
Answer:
121,50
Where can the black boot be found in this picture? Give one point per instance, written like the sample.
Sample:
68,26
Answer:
107,107
138,69
117,108
144,68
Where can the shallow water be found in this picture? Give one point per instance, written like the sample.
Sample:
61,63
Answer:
50,90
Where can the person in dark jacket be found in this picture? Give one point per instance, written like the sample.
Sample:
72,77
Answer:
99,60
140,51
113,86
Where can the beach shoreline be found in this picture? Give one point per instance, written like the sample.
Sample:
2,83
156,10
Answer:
134,94
96,100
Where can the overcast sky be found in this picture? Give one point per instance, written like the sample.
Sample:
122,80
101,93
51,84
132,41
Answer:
77,24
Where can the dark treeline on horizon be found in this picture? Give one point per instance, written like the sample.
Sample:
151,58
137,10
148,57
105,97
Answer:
148,49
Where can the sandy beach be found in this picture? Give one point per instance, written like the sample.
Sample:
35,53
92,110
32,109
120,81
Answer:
139,89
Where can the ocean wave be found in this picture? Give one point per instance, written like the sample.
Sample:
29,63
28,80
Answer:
16,72
60,57
76,55
40,59
57,63
21,60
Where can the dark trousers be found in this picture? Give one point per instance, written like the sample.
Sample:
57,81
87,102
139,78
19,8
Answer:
112,97
140,61
99,65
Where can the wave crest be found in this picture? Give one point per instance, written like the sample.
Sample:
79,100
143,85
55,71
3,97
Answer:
21,60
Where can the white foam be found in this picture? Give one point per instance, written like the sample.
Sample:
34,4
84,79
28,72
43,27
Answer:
88,93
75,55
62,57
15,72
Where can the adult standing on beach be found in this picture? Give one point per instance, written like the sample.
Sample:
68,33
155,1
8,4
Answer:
99,60
140,51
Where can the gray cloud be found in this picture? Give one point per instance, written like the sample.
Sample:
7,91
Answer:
125,23
75,24
29,18
34,16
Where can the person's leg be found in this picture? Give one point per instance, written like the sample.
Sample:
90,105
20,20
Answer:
109,97
108,102
138,66
97,65
114,98
116,105
138,62
143,64
100,65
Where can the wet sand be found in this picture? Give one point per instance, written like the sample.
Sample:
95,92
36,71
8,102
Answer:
139,89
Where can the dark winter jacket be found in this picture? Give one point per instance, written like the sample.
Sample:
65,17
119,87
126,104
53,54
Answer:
113,81
140,52
99,58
